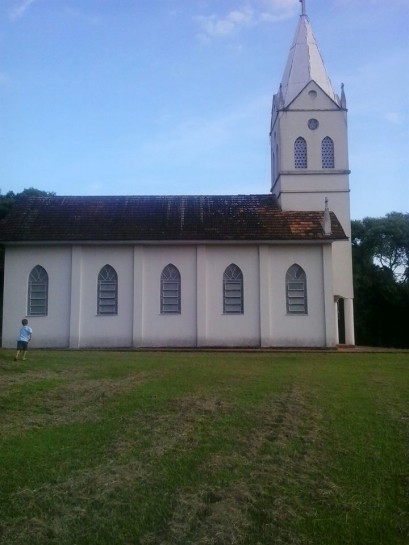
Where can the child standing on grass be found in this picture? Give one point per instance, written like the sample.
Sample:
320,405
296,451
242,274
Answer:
24,337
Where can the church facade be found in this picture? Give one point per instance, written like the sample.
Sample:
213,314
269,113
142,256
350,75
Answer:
200,271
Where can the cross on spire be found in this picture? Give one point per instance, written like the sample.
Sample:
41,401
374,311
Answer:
303,12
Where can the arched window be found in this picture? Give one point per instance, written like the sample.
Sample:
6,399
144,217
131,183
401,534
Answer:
170,300
296,290
107,291
327,153
37,292
300,153
233,290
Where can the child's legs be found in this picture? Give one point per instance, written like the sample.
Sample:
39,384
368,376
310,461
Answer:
21,347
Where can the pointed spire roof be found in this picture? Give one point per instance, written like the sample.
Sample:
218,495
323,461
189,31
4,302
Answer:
304,63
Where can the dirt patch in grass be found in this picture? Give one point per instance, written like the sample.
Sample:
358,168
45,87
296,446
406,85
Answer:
196,404
274,461
78,400
171,427
214,516
10,380
287,449
57,510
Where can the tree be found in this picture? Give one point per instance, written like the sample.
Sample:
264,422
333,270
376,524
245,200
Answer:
7,201
387,241
380,249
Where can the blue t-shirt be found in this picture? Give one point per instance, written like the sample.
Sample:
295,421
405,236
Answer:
25,333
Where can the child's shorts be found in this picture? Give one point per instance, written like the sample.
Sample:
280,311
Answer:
22,345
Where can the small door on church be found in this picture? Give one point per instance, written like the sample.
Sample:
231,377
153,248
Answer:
341,321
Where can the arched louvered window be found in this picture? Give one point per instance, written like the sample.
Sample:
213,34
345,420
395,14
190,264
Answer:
170,288
327,153
37,292
296,290
107,291
233,290
300,153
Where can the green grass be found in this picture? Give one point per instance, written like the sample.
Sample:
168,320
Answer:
117,448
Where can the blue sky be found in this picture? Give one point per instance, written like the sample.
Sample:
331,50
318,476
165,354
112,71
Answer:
120,97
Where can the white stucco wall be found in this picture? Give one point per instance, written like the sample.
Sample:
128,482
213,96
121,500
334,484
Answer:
96,330
232,329
168,329
290,330
72,319
51,330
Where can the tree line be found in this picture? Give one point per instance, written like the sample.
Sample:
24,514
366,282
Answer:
380,255
7,200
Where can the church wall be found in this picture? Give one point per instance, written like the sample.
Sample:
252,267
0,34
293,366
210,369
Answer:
342,253
97,330
307,100
295,124
72,320
168,329
342,271
302,330
310,190
232,329
51,330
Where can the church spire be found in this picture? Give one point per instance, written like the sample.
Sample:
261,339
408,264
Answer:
304,63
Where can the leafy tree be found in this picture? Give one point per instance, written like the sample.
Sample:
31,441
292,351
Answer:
380,249
5,205
7,201
387,241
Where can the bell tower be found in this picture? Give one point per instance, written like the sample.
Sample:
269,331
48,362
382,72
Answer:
309,149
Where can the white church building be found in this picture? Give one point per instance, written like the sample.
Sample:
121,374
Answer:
265,270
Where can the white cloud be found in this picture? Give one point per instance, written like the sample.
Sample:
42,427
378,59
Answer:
394,118
213,25
251,13
277,10
20,9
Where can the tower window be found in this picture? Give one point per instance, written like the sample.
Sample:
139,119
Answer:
327,153
300,153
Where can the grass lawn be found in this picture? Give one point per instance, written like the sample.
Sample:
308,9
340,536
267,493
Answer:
115,448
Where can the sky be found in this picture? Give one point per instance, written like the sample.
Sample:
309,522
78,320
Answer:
157,97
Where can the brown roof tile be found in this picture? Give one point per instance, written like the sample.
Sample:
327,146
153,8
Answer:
161,218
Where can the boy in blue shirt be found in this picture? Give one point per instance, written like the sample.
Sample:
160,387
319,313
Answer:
24,337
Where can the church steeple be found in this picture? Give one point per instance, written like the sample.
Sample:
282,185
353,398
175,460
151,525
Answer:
308,132
304,64
309,152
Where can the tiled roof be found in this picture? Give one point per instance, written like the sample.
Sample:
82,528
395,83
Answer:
161,218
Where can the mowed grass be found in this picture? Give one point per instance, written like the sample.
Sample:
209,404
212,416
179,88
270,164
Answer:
185,448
